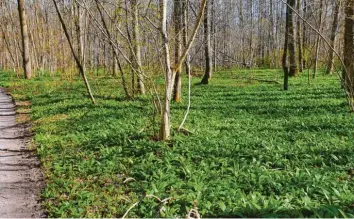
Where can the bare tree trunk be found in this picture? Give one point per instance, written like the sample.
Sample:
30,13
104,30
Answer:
271,36
114,61
113,47
349,48
299,40
185,34
80,35
77,60
25,40
293,70
304,35
170,72
104,58
241,26
34,57
137,47
330,64
207,47
213,32
318,41
165,120
251,59
131,53
115,66
286,44
177,92
8,47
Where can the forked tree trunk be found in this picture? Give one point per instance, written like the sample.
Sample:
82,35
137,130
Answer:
170,72
25,40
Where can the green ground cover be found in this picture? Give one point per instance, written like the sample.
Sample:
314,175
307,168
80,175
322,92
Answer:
255,151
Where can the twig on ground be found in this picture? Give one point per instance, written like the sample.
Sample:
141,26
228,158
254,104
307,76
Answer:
162,202
193,212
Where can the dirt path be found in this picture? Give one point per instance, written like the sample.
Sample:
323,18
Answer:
20,175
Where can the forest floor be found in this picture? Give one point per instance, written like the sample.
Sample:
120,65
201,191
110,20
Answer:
20,174
254,151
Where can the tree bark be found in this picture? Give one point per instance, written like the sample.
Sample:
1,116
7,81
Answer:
299,40
251,58
318,41
304,35
349,48
165,120
330,64
242,29
25,40
185,34
137,48
207,47
213,32
286,45
177,92
293,70
169,71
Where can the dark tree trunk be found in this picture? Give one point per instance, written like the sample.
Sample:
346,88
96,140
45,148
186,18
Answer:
285,51
330,64
349,47
207,47
177,91
291,41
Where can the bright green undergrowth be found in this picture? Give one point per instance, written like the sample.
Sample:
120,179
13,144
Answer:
255,151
